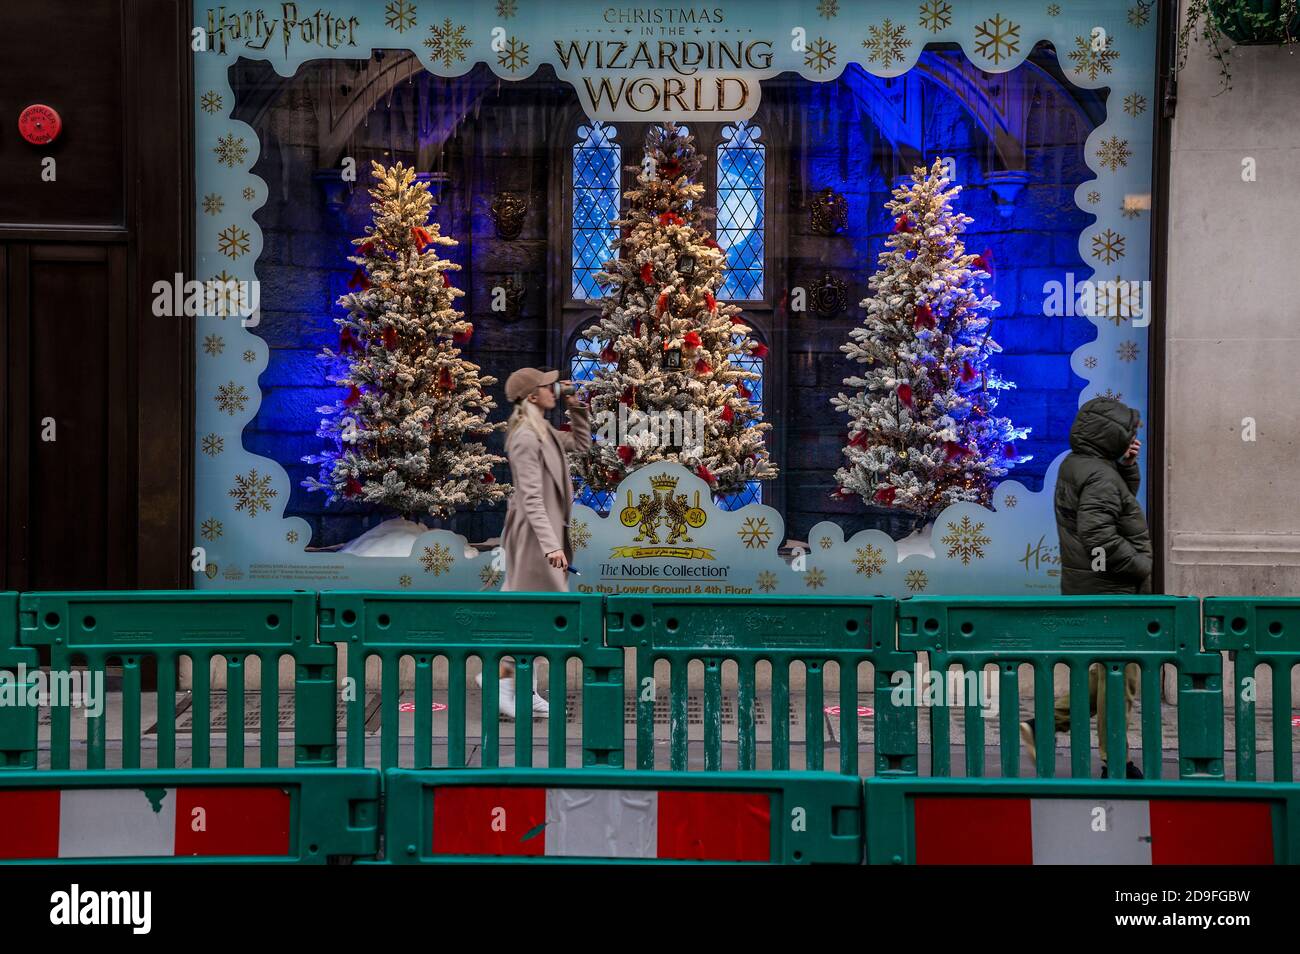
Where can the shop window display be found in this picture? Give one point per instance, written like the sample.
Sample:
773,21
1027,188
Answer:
527,126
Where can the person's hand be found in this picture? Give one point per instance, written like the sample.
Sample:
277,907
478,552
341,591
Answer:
556,559
572,399
1132,455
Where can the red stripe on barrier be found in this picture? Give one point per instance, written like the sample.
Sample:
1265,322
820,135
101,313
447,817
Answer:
1191,831
715,826
29,824
484,820
236,821
973,831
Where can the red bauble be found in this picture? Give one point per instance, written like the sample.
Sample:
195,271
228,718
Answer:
629,396
706,475
366,248
727,414
1008,450
609,355
626,454
444,379
984,261
860,439
421,237
359,280
353,487
885,495
702,367
353,398
710,243
692,340
952,451
462,337
647,273
902,224
924,316
967,372
446,281
670,218
738,320
759,351
743,391
712,303
905,394
489,478
662,304
670,169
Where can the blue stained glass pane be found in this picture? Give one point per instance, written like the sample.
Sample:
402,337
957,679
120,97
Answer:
596,197
742,167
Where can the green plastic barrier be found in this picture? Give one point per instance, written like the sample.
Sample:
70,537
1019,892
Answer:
203,816
972,632
1080,821
126,628
524,626
633,817
813,630
18,722
1258,631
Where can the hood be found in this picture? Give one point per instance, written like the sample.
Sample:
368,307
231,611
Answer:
1103,428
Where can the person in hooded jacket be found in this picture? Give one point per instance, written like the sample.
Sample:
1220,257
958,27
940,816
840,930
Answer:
1105,542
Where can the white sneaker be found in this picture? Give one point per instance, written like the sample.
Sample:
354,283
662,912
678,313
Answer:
540,706
506,697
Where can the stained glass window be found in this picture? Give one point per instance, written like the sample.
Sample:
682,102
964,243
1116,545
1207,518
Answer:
582,368
597,161
742,167
753,490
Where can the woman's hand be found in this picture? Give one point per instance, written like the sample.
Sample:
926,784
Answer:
556,559
1131,456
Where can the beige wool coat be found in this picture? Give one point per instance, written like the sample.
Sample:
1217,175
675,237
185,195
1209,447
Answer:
537,517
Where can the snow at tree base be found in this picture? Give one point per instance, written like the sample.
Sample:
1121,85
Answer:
667,344
922,435
408,429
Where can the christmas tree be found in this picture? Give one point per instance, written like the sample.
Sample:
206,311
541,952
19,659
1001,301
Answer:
669,349
922,435
407,431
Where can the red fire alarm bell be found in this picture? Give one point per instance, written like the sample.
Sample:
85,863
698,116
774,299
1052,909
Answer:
39,124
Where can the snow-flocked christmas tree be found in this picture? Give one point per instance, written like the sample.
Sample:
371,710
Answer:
922,435
407,434
668,345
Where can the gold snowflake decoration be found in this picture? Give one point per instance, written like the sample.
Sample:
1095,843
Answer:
220,296
826,543
1094,198
886,43
250,356
436,559
213,444
1090,362
936,15
814,579
1010,501
1133,213
966,540
211,101
230,150
755,532
448,42
231,398
507,9
291,536
490,575
579,535
404,581
1118,300
1108,247
514,55
1113,153
1135,104
1053,9
997,38
1127,351
916,580
1090,60
211,528
869,561
766,581
253,493
214,345
250,194
232,242
1140,15
1114,395
213,204
828,9
400,15
820,55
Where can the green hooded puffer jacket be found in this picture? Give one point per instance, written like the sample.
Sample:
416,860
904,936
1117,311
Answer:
1096,506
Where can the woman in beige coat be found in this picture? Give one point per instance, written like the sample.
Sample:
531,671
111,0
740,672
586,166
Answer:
535,539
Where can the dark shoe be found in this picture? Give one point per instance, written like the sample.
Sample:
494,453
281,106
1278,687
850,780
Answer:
1130,771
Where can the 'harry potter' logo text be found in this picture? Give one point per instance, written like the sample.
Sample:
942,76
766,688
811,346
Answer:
256,29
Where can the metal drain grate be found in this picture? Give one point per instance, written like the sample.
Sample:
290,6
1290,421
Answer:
253,714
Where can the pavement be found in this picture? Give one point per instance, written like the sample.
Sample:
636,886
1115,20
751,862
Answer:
572,729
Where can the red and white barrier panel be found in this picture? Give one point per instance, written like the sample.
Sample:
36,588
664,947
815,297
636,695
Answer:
602,823
1082,831
143,823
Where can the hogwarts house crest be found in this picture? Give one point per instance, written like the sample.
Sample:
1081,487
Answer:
508,209
830,212
830,296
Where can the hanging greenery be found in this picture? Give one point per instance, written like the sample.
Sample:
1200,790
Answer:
1225,24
